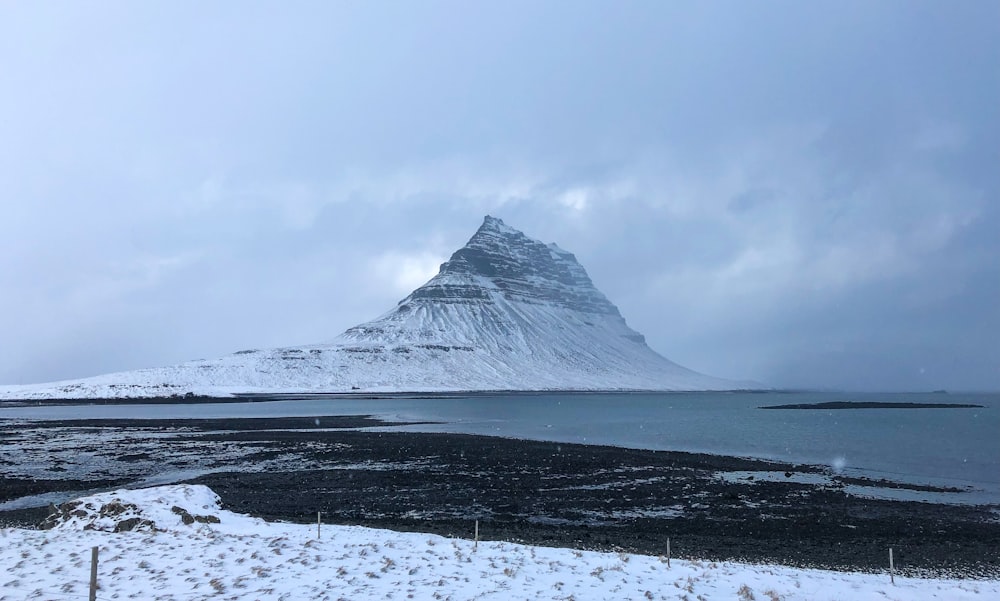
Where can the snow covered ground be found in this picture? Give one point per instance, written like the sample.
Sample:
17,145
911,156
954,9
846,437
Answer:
245,558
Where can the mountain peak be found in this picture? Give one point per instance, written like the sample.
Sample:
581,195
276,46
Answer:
505,312
492,230
491,222
522,269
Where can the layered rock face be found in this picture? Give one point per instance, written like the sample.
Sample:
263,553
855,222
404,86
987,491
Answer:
525,270
498,272
505,312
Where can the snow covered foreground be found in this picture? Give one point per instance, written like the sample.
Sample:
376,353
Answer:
246,558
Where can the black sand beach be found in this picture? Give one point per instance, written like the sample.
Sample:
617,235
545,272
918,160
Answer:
587,497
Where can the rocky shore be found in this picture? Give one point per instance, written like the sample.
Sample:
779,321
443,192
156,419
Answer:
587,497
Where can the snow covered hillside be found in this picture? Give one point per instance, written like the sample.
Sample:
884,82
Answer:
175,543
506,312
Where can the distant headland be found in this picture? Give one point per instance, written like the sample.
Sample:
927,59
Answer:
873,405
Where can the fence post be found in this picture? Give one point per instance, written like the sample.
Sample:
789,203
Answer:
476,544
93,574
319,522
668,551
892,568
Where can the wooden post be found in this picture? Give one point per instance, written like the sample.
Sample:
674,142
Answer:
319,522
476,545
892,568
93,574
668,551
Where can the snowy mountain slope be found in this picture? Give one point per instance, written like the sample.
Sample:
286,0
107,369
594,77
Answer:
506,312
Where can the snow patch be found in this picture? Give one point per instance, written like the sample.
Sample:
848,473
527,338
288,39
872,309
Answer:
164,509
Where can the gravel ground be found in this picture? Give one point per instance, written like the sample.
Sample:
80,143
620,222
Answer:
581,496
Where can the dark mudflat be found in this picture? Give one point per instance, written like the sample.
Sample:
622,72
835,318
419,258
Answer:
608,498
188,399
873,405
581,496
331,422
15,488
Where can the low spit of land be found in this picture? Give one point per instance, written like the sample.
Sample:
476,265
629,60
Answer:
873,405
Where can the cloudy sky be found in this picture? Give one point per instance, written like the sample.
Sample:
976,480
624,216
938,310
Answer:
802,193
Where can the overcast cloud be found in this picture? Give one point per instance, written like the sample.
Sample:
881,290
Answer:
800,193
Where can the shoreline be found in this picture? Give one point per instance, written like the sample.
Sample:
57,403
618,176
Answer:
590,497
264,397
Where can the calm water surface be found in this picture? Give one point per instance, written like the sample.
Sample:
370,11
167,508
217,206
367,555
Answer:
958,447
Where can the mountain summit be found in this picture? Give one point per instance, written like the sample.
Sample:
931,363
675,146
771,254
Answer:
496,276
505,312
522,268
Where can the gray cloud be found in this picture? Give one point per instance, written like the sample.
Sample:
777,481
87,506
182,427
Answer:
804,194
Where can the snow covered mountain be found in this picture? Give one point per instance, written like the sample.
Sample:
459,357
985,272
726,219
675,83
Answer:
506,312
